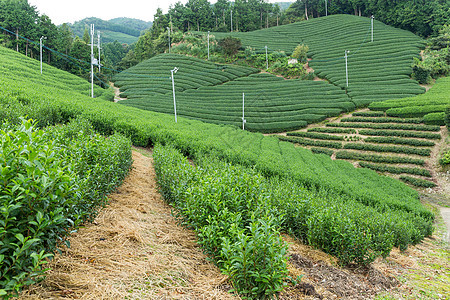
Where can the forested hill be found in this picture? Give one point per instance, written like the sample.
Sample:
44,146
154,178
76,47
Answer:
124,30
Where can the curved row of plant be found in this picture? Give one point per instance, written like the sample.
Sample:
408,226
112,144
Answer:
52,181
236,211
431,106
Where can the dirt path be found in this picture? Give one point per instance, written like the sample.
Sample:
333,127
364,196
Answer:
445,212
117,97
134,250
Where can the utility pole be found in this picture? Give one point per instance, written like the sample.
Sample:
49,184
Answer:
17,39
168,33
208,44
371,23
231,22
326,7
92,60
346,68
267,59
243,112
173,91
40,48
99,47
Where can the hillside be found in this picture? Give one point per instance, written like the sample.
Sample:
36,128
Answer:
353,214
377,70
124,30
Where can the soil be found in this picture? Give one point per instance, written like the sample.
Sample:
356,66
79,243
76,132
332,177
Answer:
136,249
117,97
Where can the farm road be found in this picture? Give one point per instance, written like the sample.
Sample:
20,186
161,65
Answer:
445,212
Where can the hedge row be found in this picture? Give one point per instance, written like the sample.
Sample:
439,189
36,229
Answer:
322,151
52,182
417,181
382,120
319,136
379,158
399,141
393,149
437,118
386,126
369,114
396,170
332,130
412,134
306,142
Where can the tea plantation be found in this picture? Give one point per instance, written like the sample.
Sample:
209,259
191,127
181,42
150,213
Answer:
378,70
307,192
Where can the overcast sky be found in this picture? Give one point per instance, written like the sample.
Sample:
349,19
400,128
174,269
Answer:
63,11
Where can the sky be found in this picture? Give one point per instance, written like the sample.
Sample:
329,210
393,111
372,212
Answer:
64,11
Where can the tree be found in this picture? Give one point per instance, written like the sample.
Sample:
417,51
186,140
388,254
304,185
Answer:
230,45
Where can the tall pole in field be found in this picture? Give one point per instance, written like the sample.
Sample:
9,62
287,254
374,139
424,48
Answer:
98,46
92,60
346,68
40,48
326,7
208,45
267,59
168,33
371,23
173,91
231,20
243,112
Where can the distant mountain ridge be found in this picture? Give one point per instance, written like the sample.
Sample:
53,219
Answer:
124,30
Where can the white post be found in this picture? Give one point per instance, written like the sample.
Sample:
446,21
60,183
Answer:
173,91
92,60
168,33
208,45
346,69
231,20
243,112
40,48
267,59
98,45
371,22
326,8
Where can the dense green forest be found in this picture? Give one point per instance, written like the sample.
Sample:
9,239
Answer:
123,30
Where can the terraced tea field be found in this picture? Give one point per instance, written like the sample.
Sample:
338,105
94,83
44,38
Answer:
212,92
398,147
378,70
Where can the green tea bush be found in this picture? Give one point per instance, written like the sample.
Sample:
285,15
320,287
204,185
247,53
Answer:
379,158
393,149
399,141
369,114
396,170
437,118
318,136
224,205
332,130
307,142
387,126
382,120
396,133
52,181
417,182
322,151
445,158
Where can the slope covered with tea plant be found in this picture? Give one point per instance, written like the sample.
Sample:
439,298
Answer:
359,191
431,106
378,70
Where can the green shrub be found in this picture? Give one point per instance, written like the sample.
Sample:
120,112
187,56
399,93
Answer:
396,170
382,120
387,126
396,133
230,45
301,53
435,118
52,182
307,142
393,149
332,130
379,158
445,158
399,141
322,151
417,182
370,114
318,136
